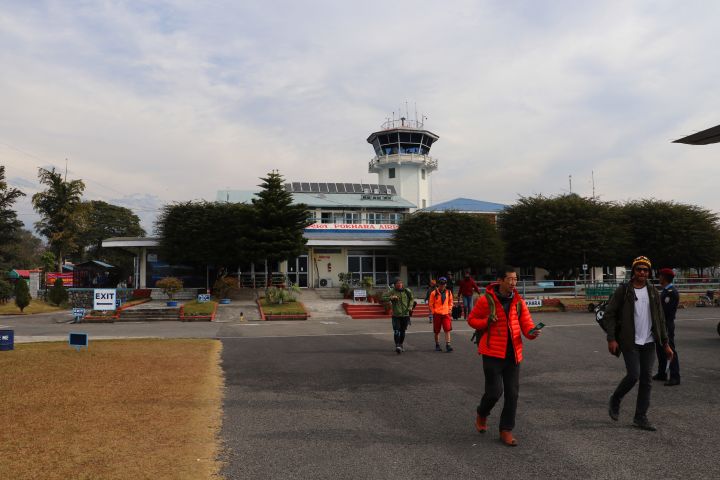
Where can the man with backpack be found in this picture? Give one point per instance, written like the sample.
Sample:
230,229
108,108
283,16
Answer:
670,299
401,299
441,303
635,322
499,317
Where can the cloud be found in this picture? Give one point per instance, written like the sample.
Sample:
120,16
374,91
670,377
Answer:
174,100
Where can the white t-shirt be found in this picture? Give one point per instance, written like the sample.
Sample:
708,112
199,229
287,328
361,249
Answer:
643,321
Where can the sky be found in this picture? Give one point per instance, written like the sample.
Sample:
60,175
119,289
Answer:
153,102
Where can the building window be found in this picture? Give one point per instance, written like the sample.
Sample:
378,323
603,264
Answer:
326,217
352,218
422,172
376,218
391,173
424,203
395,218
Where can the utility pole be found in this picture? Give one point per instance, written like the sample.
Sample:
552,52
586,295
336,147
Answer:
570,182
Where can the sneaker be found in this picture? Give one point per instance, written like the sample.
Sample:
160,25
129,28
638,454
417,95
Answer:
481,423
613,409
398,349
644,424
437,347
672,382
660,377
402,349
507,438
448,348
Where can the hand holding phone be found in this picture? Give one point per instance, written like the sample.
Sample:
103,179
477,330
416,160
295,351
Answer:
536,330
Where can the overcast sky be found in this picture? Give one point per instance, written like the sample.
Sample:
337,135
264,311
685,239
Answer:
159,101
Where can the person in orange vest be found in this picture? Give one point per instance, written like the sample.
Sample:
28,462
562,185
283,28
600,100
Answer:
441,302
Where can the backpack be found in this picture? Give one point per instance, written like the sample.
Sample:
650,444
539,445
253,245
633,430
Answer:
492,318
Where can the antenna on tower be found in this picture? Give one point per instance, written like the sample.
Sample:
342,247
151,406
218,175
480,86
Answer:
592,172
416,119
66,169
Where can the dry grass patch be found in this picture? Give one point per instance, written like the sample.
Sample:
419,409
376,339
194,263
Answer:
36,306
122,409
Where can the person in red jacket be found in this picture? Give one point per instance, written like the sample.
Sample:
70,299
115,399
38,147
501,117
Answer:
466,288
501,349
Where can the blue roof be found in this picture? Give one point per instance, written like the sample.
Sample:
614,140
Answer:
466,205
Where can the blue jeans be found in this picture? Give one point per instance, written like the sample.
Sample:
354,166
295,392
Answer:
468,304
639,365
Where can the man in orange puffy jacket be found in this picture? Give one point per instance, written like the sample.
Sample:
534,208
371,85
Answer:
501,349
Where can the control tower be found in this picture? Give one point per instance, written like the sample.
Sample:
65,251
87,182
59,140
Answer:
402,159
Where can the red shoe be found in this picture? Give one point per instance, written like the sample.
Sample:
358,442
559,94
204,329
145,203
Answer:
507,438
481,424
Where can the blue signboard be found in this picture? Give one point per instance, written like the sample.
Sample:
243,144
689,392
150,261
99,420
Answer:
78,340
203,297
7,340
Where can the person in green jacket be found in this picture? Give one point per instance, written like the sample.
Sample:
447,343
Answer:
402,302
635,321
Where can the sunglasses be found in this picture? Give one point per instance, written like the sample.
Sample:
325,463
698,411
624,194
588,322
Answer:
642,269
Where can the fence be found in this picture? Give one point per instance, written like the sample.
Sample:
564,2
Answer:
602,290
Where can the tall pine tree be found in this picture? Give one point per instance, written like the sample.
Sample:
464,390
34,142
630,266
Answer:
9,224
279,223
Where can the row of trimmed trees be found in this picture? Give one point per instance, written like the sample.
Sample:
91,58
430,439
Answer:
561,233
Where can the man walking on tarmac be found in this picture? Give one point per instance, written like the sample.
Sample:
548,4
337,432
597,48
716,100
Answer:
501,316
669,298
401,299
635,322
441,302
466,288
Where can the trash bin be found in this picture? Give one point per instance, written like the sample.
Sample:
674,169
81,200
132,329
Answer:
7,340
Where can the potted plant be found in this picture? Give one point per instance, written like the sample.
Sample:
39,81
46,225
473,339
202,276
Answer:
223,287
170,286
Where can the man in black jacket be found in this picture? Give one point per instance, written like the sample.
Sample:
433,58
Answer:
670,299
635,322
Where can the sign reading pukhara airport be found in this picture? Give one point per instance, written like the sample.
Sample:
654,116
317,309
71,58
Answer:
352,226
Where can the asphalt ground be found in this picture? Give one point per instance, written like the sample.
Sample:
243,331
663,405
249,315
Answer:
326,400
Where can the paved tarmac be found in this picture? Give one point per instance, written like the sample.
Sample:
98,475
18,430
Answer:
322,400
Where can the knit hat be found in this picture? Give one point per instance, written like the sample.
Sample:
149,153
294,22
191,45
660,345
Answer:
667,273
643,260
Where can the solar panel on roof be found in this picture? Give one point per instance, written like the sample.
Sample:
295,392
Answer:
332,188
288,187
323,187
340,187
314,187
349,188
382,189
296,186
357,188
391,189
305,186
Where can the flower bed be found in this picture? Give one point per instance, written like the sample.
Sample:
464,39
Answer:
198,312
282,311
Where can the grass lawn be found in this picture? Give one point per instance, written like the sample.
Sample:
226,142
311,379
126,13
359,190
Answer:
290,308
36,306
122,409
195,308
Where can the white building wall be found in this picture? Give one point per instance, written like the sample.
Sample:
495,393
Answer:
408,182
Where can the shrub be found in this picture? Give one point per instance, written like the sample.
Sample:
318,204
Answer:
170,286
58,293
139,293
223,287
276,296
22,294
6,291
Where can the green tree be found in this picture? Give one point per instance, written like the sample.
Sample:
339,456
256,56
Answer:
22,294
561,233
58,293
447,241
9,223
672,234
207,233
278,234
61,210
25,251
6,290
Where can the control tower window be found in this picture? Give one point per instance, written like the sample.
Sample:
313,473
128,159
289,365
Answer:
391,173
422,172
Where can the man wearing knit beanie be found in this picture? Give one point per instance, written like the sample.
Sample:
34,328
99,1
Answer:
635,323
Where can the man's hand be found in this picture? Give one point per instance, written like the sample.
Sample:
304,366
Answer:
613,347
668,352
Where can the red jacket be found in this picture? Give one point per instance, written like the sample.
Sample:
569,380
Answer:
494,342
467,287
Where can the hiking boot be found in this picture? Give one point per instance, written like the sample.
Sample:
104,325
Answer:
437,347
672,382
660,377
613,409
448,348
644,424
507,438
481,423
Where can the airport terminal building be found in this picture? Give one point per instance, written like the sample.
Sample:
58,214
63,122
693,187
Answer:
353,223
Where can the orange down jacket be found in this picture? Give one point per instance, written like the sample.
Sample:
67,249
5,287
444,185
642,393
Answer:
494,342
437,306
